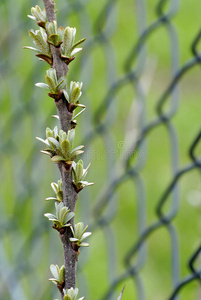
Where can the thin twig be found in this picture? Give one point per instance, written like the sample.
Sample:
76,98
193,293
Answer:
121,294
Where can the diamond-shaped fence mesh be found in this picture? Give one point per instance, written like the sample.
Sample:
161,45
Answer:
141,70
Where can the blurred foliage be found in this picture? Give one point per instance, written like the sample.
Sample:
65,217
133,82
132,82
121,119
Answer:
28,245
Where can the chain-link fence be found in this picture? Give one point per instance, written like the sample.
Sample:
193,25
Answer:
141,72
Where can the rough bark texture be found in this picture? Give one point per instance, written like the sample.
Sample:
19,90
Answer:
69,194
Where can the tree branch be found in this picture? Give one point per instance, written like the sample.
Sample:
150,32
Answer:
61,70
50,10
69,194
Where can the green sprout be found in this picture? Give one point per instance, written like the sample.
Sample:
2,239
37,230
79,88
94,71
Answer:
42,47
50,34
57,188
38,15
79,174
60,146
67,153
54,34
54,86
74,92
71,294
62,217
68,47
58,276
73,97
51,149
79,234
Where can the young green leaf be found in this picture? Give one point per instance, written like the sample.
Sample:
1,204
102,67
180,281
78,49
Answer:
58,275
66,148
42,85
40,41
71,294
62,217
79,234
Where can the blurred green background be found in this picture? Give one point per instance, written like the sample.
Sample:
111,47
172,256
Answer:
118,107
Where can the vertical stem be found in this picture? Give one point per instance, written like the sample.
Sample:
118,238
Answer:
69,199
69,194
61,70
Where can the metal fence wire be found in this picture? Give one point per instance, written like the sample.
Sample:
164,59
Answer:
142,133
